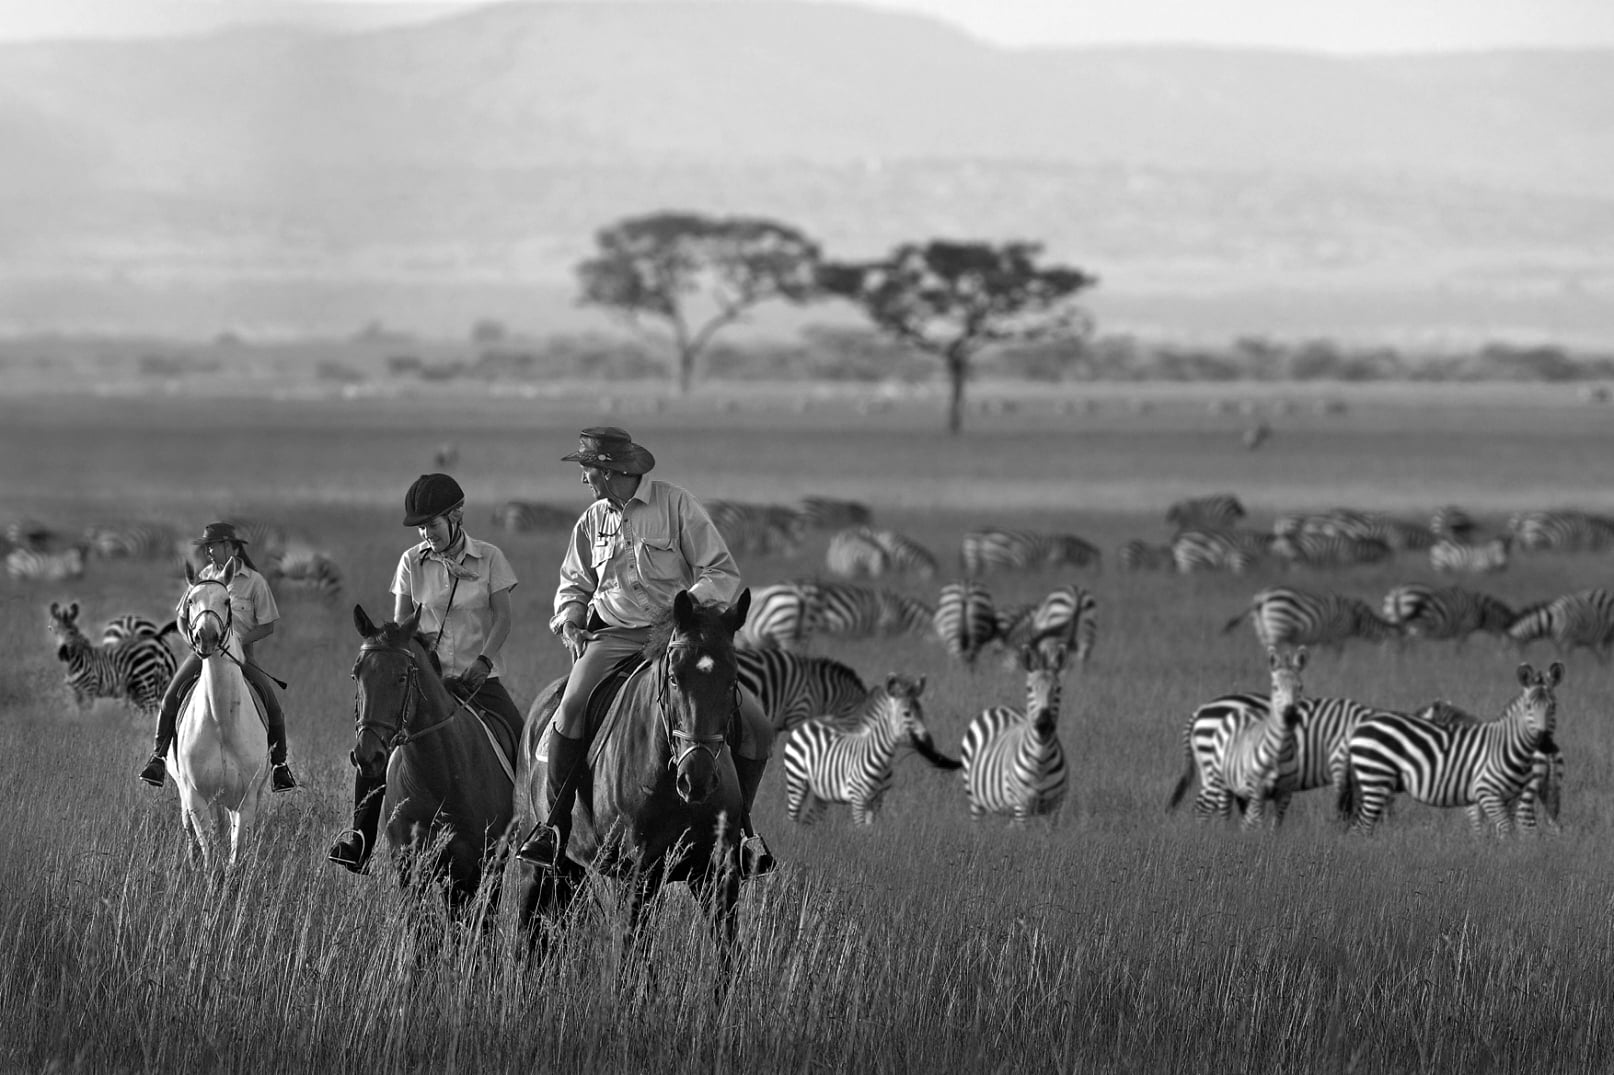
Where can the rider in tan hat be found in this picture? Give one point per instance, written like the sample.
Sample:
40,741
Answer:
639,544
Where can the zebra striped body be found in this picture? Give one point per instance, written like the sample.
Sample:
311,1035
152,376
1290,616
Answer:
268,540
306,571
1422,611
851,762
127,625
138,541
1562,531
1139,555
852,611
1452,523
1211,512
771,529
965,619
1287,617
1329,550
828,513
1260,764
23,563
1065,617
1453,764
1573,621
1539,801
792,688
1013,762
522,516
137,669
781,617
1487,557
1236,551
906,555
854,554
982,551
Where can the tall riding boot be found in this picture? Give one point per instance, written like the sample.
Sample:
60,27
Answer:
354,847
280,778
755,858
564,771
157,768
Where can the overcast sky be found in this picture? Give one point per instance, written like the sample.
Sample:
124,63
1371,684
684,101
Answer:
1318,25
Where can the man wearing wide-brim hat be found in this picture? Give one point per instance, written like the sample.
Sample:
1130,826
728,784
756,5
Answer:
640,543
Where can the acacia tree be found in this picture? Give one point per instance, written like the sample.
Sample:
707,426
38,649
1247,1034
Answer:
951,299
696,274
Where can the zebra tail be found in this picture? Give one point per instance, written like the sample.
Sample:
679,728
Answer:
1231,625
1183,784
928,751
1345,801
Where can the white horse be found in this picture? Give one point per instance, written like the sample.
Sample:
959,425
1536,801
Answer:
221,752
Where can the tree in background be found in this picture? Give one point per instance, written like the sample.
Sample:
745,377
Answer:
951,299
675,267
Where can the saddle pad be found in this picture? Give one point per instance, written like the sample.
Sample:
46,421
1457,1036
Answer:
599,702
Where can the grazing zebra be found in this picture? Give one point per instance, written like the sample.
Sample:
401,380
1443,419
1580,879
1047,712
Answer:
138,541
1022,550
1573,621
782,616
1013,763
268,540
855,554
1562,531
127,625
1539,801
1421,611
1288,617
1452,523
791,687
24,563
307,571
137,669
1323,550
906,555
851,761
31,534
1139,555
1067,616
1260,762
1448,555
1453,765
1219,550
521,516
1212,512
827,513
965,619
861,612
762,528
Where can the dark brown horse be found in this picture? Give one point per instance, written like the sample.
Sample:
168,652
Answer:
449,791
662,802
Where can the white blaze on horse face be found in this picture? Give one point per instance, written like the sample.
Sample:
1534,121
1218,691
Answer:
705,664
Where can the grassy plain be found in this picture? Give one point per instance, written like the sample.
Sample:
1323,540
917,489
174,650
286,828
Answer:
1124,939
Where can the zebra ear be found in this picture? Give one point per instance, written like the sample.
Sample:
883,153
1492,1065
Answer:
1300,658
1272,658
1526,674
361,620
1555,674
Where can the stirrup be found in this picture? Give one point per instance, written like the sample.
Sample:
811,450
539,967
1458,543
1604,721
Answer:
543,847
344,855
280,778
155,772
755,858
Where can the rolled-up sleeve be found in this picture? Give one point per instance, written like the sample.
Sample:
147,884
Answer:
577,579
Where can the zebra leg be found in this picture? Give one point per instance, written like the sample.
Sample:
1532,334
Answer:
1496,811
1370,801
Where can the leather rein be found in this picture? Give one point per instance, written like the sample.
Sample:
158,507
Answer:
682,744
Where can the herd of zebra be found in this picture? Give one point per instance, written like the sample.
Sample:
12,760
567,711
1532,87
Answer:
290,562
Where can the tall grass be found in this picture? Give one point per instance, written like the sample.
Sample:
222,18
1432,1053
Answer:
1122,938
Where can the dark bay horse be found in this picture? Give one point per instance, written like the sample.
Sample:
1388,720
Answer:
662,801
449,798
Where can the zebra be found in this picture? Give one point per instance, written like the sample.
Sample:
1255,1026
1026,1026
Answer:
1325,550
791,687
860,612
1490,556
521,516
1218,550
139,541
828,513
782,616
1022,550
1453,765
307,571
965,619
1139,555
1260,763
1215,511
1066,616
1572,621
851,761
1540,799
1012,759
762,528
1285,616
268,540
1452,523
1561,531
137,669
31,534
906,555
127,625
25,563
855,554
1421,611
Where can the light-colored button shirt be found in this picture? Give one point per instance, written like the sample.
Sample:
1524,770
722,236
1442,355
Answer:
428,584
628,565
251,602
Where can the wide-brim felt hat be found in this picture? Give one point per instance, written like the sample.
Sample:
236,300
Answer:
610,448
218,532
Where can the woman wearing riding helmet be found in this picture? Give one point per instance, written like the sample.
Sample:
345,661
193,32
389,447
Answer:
461,588
253,613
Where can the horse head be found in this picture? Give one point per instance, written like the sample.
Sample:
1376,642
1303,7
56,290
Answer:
391,673
204,611
698,693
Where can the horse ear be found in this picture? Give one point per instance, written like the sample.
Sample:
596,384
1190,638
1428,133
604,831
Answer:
361,620
190,573
683,610
734,618
410,623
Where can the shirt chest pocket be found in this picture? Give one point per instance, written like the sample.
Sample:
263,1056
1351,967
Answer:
659,556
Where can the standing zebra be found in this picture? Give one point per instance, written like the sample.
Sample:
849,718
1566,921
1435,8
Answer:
781,617
1448,555
855,554
1453,523
1286,617
965,619
1573,621
906,555
852,611
137,669
127,625
1022,550
1421,611
1065,617
791,687
306,571
851,762
1453,765
1219,550
1329,550
1562,531
140,541
1260,763
1139,555
1013,763
24,563
1539,801
1212,512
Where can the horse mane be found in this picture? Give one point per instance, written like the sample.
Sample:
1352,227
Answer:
709,632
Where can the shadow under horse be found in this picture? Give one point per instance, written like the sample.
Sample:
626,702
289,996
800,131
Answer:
661,800
449,794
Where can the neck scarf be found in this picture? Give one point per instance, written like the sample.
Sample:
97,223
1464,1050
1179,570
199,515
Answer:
450,559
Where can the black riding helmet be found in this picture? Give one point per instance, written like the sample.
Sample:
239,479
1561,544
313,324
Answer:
430,496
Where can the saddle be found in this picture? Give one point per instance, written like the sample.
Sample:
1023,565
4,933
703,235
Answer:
604,693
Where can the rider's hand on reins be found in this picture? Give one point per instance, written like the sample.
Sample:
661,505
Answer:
575,639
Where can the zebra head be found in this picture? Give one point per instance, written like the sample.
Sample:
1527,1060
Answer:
904,714
1537,706
1044,664
63,621
1287,688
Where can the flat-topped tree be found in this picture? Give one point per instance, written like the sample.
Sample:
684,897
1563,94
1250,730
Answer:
952,299
695,273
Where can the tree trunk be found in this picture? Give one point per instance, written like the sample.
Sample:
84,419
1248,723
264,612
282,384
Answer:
686,370
957,367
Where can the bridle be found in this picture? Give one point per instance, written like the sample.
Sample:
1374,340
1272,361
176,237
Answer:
682,744
226,622
393,736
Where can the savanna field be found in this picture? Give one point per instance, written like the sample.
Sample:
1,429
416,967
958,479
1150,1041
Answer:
1124,938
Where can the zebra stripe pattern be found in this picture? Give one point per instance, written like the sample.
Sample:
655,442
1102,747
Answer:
1289,617
1139,555
1490,556
1539,801
829,513
1572,621
851,763
854,554
305,571
781,617
1453,765
792,688
127,625
1213,512
1236,551
770,529
1329,550
1012,759
1065,617
137,669
965,619
1452,523
22,563
982,551
1260,762
861,612
139,541
1562,531
1421,611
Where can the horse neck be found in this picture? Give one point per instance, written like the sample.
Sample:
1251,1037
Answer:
222,678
